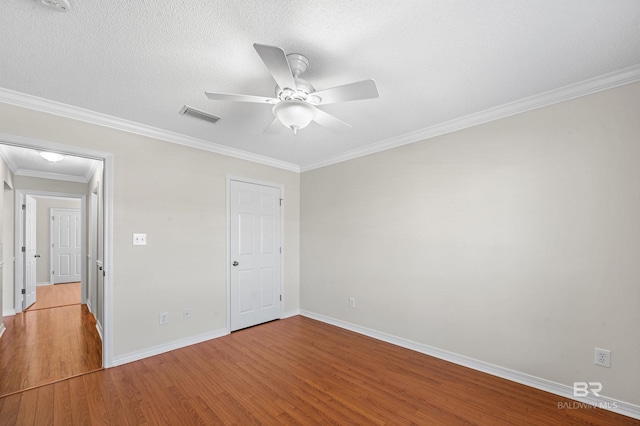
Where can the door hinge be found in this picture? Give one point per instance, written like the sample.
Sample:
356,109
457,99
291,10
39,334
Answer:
24,291
53,272
281,298
24,249
24,207
53,218
281,199
280,250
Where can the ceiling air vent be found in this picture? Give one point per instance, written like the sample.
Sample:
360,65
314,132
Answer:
192,112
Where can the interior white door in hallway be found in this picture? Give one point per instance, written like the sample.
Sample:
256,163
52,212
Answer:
29,249
255,254
66,246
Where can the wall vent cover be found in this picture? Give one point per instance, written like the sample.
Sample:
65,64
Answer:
192,112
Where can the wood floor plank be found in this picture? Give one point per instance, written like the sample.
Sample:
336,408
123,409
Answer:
113,402
27,410
95,398
79,402
10,409
62,414
45,407
294,371
129,396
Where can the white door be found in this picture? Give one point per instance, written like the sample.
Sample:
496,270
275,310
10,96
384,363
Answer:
29,252
255,247
66,246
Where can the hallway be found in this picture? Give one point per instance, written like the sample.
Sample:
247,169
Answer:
55,338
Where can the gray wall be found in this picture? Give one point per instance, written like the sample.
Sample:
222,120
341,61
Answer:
515,242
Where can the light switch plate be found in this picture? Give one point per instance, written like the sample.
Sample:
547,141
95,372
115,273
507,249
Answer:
139,239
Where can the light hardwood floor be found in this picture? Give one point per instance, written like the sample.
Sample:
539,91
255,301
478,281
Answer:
48,342
293,371
51,296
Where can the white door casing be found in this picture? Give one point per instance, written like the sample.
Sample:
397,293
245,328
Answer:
107,220
66,245
29,251
255,254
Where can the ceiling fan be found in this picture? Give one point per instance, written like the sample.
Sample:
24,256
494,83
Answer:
295,102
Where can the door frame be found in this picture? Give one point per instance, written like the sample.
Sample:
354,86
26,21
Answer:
19,231
228,226
108,172
84,271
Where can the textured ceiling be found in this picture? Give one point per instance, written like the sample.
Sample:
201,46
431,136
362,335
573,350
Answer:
433,61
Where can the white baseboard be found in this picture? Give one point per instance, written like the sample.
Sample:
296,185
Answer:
171,346
9,313
620,407
2,329
290,314
99,328
41,283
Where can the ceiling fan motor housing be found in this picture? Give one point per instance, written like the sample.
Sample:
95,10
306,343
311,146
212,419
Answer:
301,94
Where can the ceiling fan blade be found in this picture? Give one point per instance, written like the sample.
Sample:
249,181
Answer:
276,61
240,98
330,122
274,128
365,89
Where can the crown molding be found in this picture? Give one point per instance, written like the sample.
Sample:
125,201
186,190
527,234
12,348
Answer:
68,111
49,175
572,91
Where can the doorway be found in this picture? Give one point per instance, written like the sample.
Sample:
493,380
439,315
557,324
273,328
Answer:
35,230
104,198
255,252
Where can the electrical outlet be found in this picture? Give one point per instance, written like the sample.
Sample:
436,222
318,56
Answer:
602,358
139,239
186,314
164,318
352,302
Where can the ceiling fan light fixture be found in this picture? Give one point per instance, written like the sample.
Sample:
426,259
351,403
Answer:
294,114
53,157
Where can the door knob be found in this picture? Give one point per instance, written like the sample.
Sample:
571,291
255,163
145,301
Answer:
235,263
36,255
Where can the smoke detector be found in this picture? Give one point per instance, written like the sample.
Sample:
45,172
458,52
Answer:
57,5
